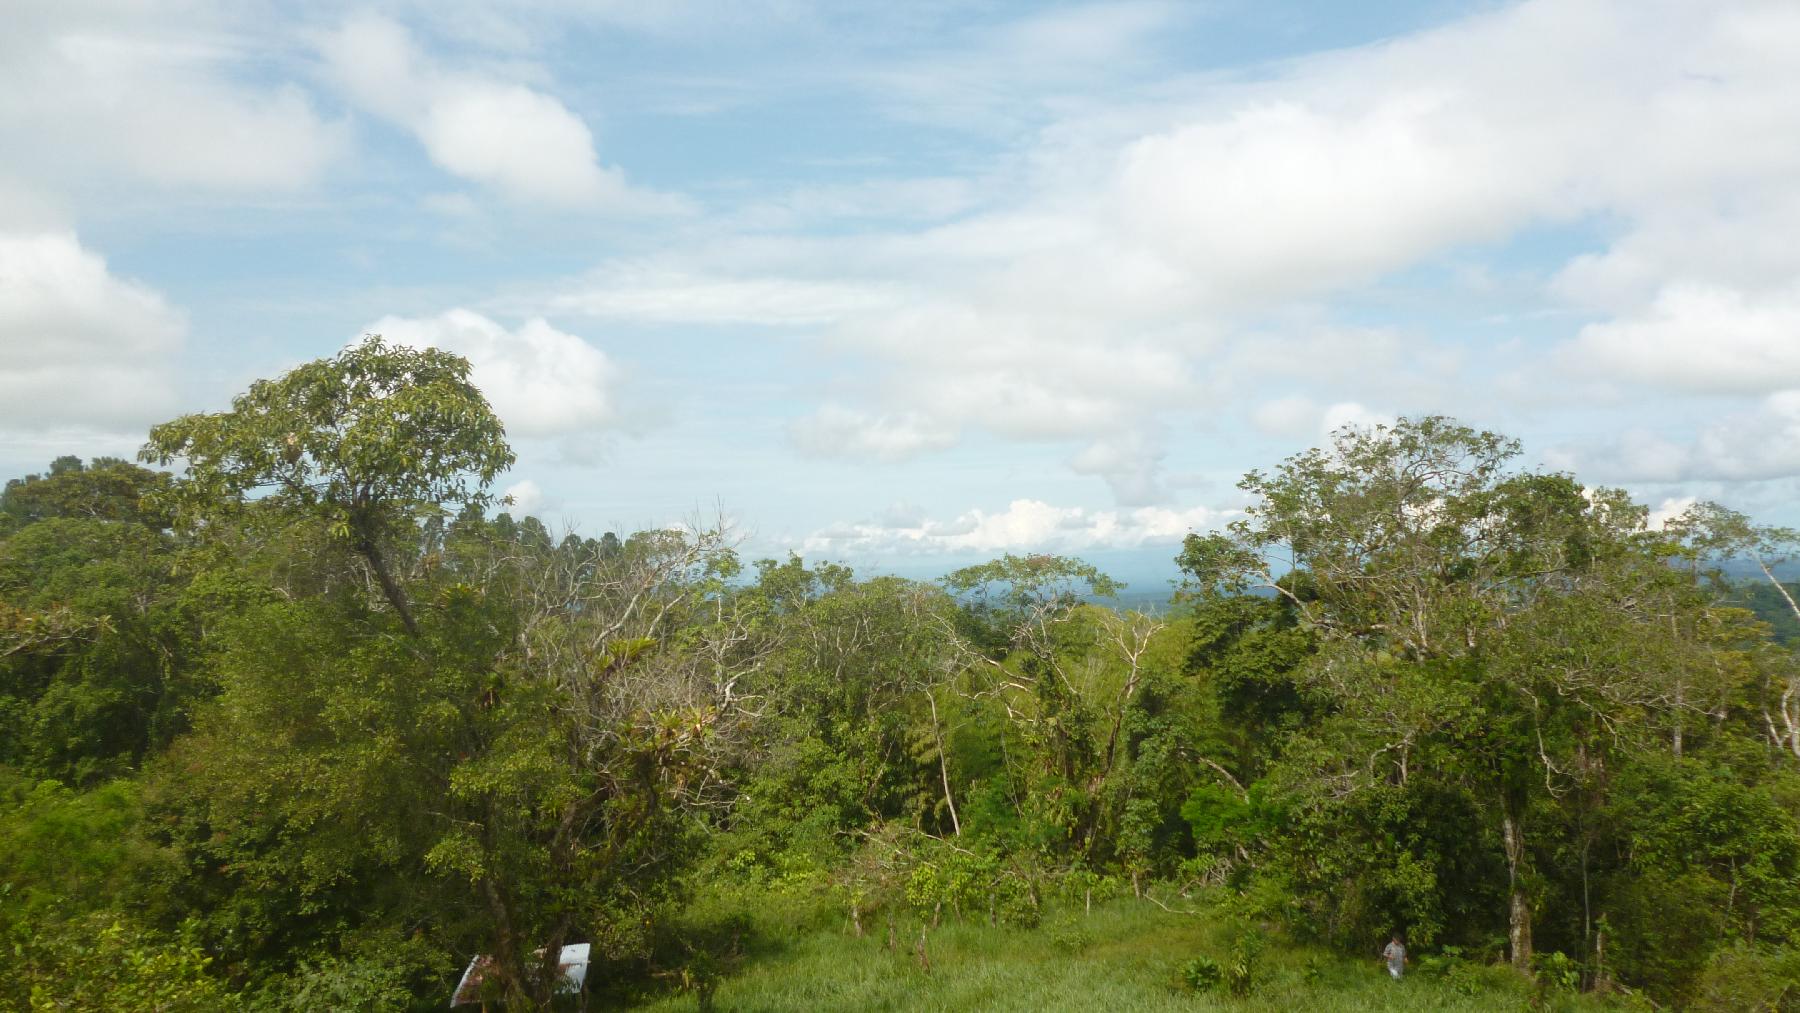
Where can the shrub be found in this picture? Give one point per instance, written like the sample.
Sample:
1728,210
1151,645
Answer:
1750,978
1241,970
1070,937
1202,974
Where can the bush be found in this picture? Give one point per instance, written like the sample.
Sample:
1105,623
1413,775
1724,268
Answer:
1202,974
1070,937
1557,971
1750,978
1241,970
99,966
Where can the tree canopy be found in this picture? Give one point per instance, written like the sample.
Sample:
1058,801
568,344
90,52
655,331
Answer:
367,441
308,725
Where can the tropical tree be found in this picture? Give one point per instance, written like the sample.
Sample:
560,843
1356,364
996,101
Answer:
368,441
1484,626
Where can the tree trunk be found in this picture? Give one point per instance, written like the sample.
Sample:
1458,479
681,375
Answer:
1518,922
1602,980
943,765
395,594
507,962
1791,604
1679,703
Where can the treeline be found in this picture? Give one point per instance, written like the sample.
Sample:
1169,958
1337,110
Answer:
316,721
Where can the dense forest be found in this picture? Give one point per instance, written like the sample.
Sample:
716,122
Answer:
310,720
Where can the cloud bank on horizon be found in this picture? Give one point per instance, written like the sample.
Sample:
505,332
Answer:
927,282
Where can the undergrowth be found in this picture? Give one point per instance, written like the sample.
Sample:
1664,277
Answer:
796,952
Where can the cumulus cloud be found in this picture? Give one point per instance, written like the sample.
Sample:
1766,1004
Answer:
837,431
1700,337
1752,445
488,130
1296,416
1669,509
1154,261
1290,197
525,496
92,90
80,347
1130,464
541,381
1025,525
1353,415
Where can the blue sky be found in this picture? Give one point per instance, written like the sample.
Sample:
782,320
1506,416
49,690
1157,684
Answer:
915,284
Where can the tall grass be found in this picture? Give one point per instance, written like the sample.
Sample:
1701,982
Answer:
1124,955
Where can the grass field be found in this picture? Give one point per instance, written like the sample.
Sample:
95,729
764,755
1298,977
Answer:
1124,955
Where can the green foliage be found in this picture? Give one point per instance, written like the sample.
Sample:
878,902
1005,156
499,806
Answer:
338,730
97,632
1242,967
107,489
64,852
1745,977
101,965
1134,963
367,437
1459,974
1557,971
375,970
368,442
1070,937
1202,974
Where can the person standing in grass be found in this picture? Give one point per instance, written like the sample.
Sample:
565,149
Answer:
1395,955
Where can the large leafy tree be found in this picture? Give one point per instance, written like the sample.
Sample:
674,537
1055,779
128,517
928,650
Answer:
1068,674
366,441
96,621
521,774
107,489
1493,630
1712,536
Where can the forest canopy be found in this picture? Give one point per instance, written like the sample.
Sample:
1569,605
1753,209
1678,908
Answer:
313,720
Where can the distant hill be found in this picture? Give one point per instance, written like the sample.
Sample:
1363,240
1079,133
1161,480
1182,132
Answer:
1760,597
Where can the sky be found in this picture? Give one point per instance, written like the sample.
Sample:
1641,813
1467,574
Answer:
913,285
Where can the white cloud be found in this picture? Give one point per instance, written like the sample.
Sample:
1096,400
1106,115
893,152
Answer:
1290,416
1139,265
1130,464
1294,196
1668,510
88,91
1025,525
488,130
1762,443
79,346
1299,417
525,497
1701,337
1351,414
660,294
836,431
58,300
1754,445
541,381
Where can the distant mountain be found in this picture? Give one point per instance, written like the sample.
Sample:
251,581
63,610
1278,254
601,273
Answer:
1760,597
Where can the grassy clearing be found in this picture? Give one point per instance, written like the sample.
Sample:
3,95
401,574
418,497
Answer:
1125,955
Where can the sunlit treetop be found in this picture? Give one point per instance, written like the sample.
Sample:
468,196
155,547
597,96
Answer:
363,441
375,431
